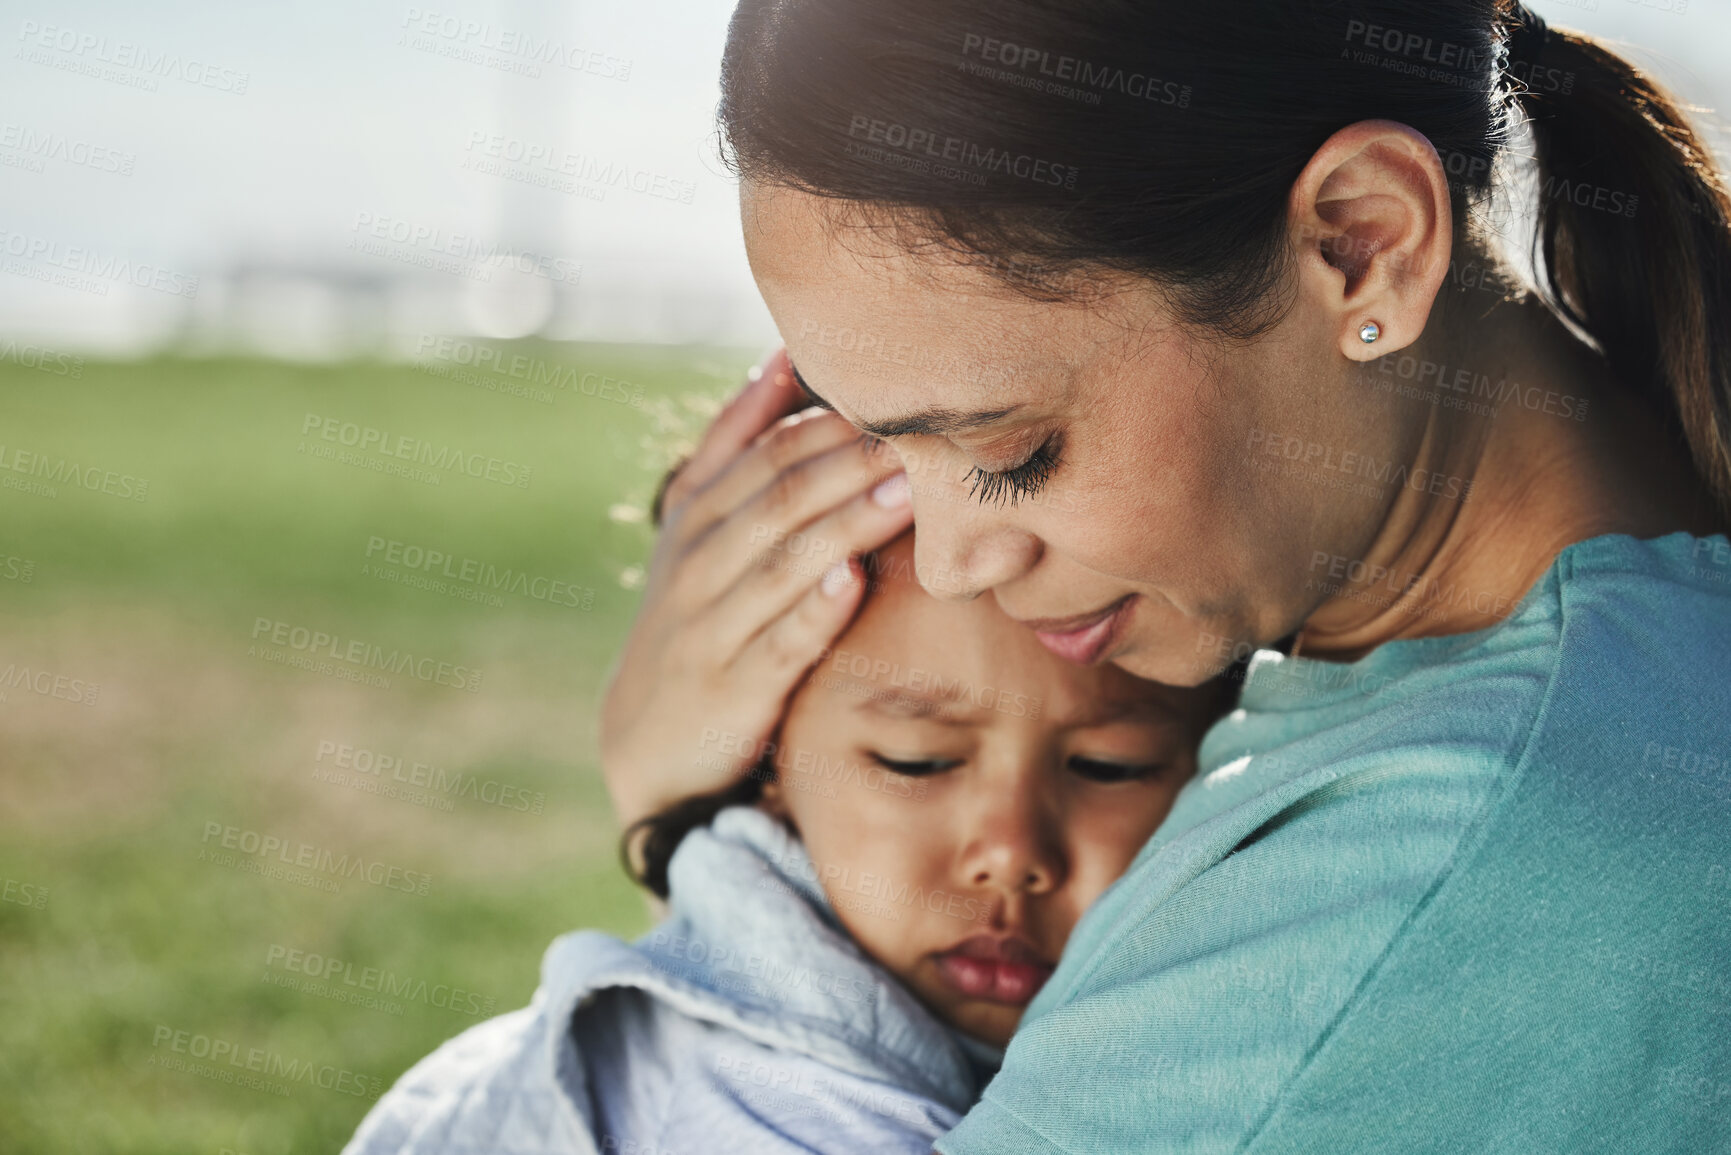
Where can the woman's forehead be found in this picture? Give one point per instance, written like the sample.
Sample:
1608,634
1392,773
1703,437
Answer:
876,330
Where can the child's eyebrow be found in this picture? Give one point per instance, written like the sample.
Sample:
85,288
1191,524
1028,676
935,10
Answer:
1104,713
914,704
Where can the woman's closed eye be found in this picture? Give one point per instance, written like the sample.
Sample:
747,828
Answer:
913,767
1017,482
1102,770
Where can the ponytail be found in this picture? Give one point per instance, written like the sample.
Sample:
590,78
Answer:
1634,233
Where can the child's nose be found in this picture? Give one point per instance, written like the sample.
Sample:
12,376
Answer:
1014,849
1002,868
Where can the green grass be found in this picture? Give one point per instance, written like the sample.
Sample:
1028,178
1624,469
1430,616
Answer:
106,806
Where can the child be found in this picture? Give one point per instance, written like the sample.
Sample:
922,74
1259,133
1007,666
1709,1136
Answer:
855,928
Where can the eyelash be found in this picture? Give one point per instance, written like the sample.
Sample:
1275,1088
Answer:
1091,769
1114,771
917,769
1013,484
1023,480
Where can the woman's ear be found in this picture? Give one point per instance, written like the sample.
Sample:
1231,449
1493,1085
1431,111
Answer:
1372,215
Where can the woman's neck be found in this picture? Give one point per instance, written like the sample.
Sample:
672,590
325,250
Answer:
1568,455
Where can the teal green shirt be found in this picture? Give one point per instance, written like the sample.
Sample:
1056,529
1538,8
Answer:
1467,894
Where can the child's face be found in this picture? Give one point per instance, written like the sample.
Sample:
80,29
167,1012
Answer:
965,793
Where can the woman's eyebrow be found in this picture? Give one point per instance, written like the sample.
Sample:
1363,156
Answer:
935,422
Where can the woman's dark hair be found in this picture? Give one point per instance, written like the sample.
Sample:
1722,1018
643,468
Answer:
1045,138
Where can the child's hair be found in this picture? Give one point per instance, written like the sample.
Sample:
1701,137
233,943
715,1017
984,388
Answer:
656,837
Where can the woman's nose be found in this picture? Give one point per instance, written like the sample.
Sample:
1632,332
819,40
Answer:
961,549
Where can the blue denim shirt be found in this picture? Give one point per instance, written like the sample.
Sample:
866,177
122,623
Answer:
747,1022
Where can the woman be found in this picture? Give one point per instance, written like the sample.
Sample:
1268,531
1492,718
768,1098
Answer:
1172,314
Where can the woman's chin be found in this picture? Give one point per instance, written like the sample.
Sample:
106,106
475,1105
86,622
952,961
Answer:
1160,664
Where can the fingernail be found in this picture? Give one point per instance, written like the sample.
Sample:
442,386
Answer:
836,579
774,367
892,492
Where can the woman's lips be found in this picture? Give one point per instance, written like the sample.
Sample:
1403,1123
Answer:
1083,640
996,970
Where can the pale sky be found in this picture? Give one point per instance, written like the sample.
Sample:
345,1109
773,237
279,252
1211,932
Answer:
360,116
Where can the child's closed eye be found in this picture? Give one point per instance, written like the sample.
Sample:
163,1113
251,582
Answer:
1100,770
913,767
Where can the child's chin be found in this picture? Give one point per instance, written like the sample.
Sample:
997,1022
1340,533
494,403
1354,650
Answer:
991,1023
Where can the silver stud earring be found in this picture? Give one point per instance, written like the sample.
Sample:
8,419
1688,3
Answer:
1369,332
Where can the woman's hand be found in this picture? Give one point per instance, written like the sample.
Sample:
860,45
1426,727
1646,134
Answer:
753,577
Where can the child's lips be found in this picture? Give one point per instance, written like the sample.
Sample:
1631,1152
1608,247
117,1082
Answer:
999,970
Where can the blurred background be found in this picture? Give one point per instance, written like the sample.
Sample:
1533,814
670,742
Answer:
341,345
